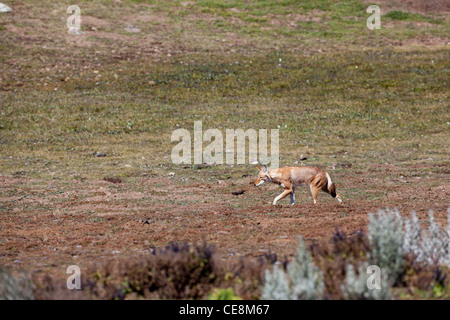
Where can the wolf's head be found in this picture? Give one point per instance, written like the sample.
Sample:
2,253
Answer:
263,175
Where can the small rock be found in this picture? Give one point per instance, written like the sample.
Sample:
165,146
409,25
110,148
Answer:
236,193
4,8
100,154
171,174
132,29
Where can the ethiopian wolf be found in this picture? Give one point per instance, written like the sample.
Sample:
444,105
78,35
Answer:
292,177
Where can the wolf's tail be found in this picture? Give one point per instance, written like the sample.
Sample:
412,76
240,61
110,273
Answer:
331,187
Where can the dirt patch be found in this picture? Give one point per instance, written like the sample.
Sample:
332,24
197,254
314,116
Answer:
147,18
429,41
187,3
14,29
93,22
50,225
293,20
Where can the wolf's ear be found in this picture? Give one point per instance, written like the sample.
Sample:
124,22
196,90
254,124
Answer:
259,168
265,169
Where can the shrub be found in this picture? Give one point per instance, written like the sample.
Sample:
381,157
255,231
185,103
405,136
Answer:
276,285
386,240
423,276
412,242
334,259
356,286
305,279
431,246
15,286
411,258
51,287
178,271
247,275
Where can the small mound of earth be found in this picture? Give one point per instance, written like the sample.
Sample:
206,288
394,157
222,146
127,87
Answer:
113,179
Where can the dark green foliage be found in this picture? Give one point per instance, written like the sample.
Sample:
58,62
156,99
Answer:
398,15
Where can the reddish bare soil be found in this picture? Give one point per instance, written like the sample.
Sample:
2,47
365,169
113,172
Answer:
46,226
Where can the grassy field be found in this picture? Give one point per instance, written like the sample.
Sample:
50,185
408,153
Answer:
339,87
370,106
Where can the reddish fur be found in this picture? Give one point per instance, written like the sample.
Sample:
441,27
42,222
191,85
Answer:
291,177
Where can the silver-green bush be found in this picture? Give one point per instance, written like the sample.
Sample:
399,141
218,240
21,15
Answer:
430,246
276,286
386,239
356,288
302,281
15,286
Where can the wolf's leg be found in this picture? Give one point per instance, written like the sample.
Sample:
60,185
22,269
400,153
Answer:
281,196
293,196
314,192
